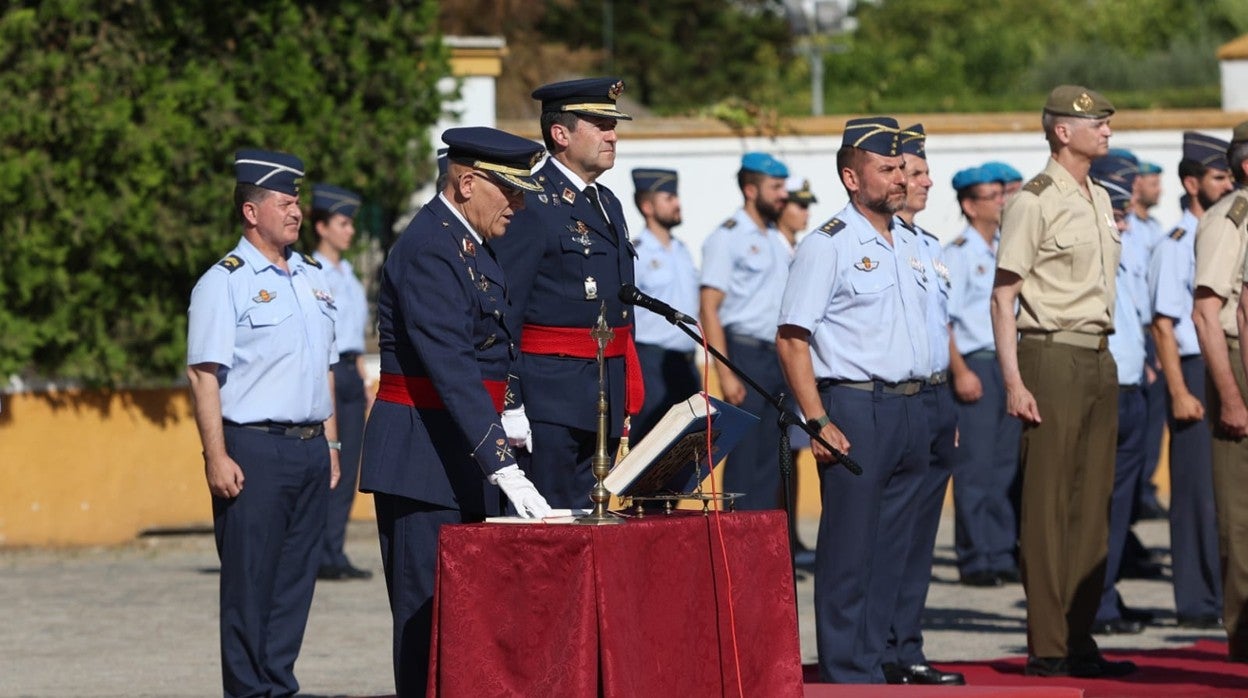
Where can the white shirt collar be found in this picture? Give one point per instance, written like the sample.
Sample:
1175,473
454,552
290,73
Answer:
475,236
572,177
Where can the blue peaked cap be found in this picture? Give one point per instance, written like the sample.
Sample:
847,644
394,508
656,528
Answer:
874,134
280,172
1115,172
510,159
327,197
1207,150
655,180
914,141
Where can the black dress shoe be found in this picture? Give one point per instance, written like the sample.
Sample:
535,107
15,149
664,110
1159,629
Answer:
1205,622
353,572
1010,575
1097,666
1136,614
895,673
336,573
1118,626
1047,666
982,578
929,675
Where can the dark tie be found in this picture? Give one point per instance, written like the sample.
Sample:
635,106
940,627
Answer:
591,193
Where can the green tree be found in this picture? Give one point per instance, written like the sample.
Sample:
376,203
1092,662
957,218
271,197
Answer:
116,142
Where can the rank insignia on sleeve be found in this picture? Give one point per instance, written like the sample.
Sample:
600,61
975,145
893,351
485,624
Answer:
960,241
832,227
1177,234
500,450
729,224
469,247
310,260
569,195
264,296
232,263
866,264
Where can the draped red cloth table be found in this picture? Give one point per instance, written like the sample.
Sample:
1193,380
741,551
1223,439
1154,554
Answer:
639,609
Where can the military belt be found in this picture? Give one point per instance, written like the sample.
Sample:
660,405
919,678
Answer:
303,431
938,378
1081,340
911,387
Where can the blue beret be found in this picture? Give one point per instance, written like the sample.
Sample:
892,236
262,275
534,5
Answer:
652,180
510,159
764,164
1206,150
442,161
1149,168
1117,174
874,134
1001,172
587,96
914,141
280,172
971,176
1124,154
327,197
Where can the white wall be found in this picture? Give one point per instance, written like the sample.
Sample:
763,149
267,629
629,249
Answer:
708,167
1234,85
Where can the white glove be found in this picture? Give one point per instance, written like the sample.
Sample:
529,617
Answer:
529,503
516,426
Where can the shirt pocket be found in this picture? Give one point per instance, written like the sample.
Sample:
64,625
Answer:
584,262
1076,249
870,283
268,315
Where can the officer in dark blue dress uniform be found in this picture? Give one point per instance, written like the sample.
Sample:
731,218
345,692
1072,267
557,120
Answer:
434,446
260,344
905,661
333,221
567,256
853,343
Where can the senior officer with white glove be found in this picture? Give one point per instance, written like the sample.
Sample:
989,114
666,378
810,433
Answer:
434,446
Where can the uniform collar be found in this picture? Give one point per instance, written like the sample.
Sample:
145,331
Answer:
747,223
342,263
866,231
571,176
463,221
258,262
975,239
647,235
1062,179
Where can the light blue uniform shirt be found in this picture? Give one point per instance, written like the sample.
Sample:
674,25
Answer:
1151,227
272,334
750,266
1127,342
937,285
972,266
1137,252
667,273
351,302
1172,282
863,301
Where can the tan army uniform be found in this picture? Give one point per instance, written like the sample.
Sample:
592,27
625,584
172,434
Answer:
1066,249
1221,241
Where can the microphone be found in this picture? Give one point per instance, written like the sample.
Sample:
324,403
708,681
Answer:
631,295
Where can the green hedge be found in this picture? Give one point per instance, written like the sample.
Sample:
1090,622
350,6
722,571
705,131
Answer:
117,135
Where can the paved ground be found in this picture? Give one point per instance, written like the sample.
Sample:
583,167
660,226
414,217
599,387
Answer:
141,620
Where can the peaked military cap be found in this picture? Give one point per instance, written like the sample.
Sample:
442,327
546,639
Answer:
587,96
874,134
799,191
327,197
1240,133
1074,100
1002,172
971,176
508,158
1206,150
763,163
1117,174
914,141
442,161
652,180
1124,154
280,172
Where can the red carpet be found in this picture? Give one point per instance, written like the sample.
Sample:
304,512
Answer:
1197,671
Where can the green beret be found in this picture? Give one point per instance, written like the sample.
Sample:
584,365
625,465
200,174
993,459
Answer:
1240,133
1073,100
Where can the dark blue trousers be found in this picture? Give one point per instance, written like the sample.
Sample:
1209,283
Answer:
985,467
753,467
866,528
1128,467
560,466
1193,516
906,641
349,403
268,539
670,377
408,531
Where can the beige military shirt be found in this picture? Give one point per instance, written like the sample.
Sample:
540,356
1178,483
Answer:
1220,243
1066,250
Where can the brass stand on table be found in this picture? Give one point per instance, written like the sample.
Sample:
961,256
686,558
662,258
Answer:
603,335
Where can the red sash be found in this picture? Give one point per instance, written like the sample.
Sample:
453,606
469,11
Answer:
576,342
418,392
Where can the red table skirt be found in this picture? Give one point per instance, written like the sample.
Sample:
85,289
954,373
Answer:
639,609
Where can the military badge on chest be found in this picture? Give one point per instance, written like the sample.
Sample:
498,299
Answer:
591,289
917,265
324,296
942,271
580,235
569,196
866,264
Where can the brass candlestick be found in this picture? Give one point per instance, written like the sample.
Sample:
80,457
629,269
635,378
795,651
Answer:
603,335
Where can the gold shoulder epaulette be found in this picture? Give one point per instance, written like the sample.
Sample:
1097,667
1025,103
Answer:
1177,233
310,260
832,227
729,224
1038,184
1238,210
232,263
960,241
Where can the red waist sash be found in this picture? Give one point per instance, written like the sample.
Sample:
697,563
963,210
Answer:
576,342
418,392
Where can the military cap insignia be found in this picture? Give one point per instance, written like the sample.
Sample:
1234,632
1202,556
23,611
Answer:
1038,184
1238,210
264,296
232,263
1177,233
729,224
832,227
310,260
616,90
537,157
960,241
468,246
569,195
866,264
1082,103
